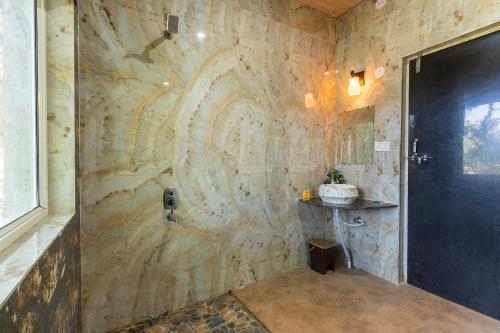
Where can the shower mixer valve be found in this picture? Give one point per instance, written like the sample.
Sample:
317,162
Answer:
415,156
170,199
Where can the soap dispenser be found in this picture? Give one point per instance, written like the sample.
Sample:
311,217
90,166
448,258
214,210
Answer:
306,193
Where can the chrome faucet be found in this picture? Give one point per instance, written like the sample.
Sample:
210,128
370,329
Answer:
415,156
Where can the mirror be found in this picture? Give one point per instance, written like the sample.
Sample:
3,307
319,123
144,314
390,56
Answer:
355,138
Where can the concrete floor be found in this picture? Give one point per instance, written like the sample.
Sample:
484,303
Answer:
353,301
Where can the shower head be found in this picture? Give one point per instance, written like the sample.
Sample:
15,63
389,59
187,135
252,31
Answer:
171,25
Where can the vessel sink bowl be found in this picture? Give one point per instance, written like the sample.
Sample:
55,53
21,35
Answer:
343,194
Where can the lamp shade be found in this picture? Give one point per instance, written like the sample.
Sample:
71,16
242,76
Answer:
354,86
309,101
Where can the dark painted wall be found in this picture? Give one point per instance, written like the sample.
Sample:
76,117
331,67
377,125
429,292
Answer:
48,299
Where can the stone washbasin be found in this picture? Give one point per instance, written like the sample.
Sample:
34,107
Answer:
343,194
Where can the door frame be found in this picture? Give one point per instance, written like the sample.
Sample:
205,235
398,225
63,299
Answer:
403,198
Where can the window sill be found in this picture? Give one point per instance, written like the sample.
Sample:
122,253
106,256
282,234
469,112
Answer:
17,259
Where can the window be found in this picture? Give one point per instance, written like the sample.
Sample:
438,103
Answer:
23,164
482,139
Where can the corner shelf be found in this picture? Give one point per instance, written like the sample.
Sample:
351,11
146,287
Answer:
359,204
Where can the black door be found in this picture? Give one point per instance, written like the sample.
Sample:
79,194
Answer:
454,197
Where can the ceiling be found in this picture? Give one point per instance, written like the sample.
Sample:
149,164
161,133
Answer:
334,8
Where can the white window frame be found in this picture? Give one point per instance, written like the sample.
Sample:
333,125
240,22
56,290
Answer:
17,228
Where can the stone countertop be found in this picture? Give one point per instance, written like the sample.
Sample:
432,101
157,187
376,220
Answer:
357,205
17,259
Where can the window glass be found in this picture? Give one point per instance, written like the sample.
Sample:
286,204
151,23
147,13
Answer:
482,140
18,111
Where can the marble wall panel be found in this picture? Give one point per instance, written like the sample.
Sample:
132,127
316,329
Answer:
221,119
367,38
61,105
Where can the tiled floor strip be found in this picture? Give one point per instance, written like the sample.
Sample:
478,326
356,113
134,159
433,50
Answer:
224,314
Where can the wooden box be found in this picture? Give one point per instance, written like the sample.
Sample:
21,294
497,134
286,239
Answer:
322,255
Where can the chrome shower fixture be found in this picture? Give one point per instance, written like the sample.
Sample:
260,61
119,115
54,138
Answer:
171,25
170,198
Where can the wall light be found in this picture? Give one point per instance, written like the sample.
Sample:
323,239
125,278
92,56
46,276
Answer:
201,35
356,81
309,101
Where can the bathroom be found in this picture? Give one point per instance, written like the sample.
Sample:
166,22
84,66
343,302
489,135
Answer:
154,169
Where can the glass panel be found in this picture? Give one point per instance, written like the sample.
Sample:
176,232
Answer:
482,140
18,139
355,137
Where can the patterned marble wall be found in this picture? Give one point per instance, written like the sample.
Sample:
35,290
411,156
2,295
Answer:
368,37
221,119
48,299
61,105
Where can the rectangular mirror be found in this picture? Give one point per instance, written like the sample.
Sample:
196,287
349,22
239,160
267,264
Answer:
355,136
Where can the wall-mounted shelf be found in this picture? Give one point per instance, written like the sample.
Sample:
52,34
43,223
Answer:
359,204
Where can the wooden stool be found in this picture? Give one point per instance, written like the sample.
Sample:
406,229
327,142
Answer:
322,255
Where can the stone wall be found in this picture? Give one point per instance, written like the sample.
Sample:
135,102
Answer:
219,118
61,134
368,38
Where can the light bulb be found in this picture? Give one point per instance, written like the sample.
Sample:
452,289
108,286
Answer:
200,35
354,86
309,101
